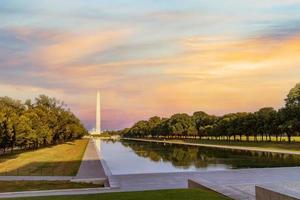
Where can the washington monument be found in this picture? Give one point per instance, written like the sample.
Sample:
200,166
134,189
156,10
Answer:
98,116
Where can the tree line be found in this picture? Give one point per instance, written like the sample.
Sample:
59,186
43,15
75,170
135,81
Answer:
263,124
30,125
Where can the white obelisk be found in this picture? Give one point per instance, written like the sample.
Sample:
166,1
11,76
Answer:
98,115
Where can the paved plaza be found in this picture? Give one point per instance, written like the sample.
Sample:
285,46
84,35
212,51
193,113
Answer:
240,184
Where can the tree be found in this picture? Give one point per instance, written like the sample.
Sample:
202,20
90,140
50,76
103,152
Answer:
289,125
201,120
290,115
266,121
34,124
153,122
182,125
293,98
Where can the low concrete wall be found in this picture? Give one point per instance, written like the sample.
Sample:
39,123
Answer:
192,185
263,193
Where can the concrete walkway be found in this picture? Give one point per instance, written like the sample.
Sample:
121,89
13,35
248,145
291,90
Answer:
237,184
240,184
90,167
259,149
132,182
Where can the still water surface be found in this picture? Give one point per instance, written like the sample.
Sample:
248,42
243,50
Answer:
131,157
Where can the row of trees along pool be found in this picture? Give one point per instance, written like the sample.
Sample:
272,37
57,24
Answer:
30,125
263,124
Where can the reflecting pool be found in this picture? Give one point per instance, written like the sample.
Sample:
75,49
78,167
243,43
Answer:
131,157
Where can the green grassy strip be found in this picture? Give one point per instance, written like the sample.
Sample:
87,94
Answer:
16,186
179,194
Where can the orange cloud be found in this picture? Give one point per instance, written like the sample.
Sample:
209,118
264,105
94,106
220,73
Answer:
219,76
74,47
214,74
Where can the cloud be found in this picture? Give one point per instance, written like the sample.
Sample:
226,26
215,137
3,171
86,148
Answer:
219,76
74,48
151,59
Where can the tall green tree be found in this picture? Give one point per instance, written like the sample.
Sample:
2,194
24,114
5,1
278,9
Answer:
34,124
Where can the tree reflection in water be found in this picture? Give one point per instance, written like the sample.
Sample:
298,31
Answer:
185,156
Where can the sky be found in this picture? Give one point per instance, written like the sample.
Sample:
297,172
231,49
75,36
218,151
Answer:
150,57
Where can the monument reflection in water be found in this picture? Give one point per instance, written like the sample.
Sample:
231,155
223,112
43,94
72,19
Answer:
129,157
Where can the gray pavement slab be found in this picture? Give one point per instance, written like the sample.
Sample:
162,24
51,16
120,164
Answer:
243,181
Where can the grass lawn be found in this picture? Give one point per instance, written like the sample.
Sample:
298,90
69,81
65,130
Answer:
59,160
294,146
16,186
181,194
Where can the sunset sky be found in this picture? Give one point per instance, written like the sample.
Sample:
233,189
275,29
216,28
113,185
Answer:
150,57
